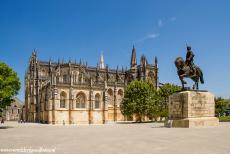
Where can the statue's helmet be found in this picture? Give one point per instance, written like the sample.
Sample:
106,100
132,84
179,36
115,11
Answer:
189,48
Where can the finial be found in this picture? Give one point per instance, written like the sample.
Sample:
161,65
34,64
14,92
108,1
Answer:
156,60
49,60
133,61
97,66
102,65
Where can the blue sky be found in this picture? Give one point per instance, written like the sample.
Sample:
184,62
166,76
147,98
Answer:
82,29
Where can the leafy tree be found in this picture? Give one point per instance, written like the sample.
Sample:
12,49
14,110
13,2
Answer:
165,91
154,105
142,99
220,106
136,99
9,84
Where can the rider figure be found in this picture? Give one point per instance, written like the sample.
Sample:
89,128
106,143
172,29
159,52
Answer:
189,58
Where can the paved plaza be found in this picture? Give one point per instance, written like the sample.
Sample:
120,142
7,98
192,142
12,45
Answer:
149,138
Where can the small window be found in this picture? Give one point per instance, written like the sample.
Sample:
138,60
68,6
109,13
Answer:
65,80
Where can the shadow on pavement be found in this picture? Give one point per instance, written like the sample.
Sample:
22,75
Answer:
159,127
6,127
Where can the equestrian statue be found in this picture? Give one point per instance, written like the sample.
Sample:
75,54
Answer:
187,69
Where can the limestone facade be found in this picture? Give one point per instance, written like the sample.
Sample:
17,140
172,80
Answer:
13,112
75,93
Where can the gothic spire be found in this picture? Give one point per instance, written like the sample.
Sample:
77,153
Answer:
133,58
102,64
156,61
143,60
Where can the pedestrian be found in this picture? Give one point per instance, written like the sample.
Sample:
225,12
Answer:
2,121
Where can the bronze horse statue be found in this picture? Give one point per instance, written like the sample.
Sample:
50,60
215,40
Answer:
185,71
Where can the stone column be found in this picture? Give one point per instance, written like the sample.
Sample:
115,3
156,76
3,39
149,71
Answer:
54,104
105,104
115,103
70,104
90,106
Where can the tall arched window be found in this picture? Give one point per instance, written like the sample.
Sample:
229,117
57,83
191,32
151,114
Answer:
62,99
120,92
80,100
120,96
110,96
97,101
110,92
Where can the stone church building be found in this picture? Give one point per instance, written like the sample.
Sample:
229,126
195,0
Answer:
75,93
13,111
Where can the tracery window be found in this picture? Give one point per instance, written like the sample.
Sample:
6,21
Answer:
80,100
97,101
120,96
110,96
62,99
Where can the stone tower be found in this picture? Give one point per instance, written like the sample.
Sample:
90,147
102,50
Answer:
143,71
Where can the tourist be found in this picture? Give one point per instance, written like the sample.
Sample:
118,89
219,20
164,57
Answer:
2,121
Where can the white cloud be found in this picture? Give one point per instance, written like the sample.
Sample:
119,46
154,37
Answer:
173,19
147,37
160,23
152,36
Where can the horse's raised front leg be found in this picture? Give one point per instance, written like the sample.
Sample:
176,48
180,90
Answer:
182,79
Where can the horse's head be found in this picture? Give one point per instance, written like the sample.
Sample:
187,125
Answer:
179,62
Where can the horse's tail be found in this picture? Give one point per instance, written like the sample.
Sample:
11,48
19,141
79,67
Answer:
201,76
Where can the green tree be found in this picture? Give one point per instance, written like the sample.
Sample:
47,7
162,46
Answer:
136,99
164,92
220,106
9,84
154,105
142,99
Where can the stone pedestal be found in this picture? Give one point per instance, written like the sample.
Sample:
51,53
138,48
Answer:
192,109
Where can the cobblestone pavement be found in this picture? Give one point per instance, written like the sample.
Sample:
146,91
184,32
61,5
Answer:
146,138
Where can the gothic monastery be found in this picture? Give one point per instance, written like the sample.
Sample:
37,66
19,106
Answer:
75,93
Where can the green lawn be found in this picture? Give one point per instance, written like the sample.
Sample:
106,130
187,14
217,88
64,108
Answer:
225,119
